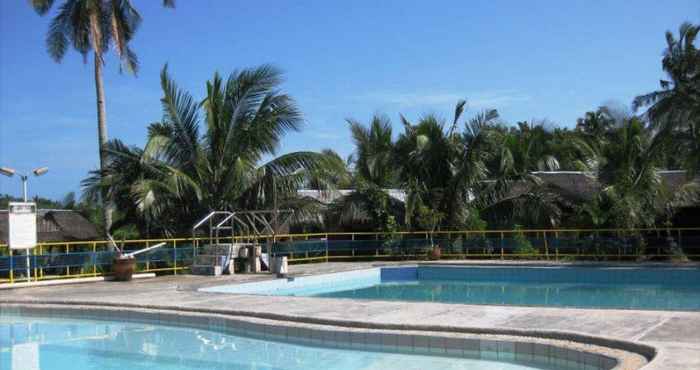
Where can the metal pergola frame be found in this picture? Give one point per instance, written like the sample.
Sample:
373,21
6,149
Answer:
252,223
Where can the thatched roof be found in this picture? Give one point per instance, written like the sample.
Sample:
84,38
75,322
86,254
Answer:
570,184
56,225
585,186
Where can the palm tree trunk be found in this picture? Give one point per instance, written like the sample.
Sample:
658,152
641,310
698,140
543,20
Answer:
102,135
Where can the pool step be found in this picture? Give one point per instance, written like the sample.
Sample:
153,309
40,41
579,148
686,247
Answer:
214,259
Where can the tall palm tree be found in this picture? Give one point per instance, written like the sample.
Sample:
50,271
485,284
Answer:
676,106
94,26
208,155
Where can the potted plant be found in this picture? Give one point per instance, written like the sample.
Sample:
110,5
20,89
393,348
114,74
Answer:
123,264
430,219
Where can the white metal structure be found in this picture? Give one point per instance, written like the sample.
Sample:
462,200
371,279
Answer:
224,225
22,233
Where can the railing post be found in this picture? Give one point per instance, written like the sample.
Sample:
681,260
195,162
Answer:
41,268
502,236
175,256
94,259
36,270
546,246
68,265
148,265
12,267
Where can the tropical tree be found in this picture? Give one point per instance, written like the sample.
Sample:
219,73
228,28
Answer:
634,193
94,26
208,155
676,106
444,167
370,205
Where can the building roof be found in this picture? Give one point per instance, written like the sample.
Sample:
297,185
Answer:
329,196
56,225
570,184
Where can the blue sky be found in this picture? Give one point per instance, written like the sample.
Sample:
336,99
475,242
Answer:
550,60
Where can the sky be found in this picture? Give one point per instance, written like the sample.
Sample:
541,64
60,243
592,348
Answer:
532,60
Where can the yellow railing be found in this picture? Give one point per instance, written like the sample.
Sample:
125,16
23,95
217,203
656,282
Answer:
548,246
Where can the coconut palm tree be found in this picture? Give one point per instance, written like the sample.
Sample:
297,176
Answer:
443,167
209,155
676,106
370,205
94,26
633,191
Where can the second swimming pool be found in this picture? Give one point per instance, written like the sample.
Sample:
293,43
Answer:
584,287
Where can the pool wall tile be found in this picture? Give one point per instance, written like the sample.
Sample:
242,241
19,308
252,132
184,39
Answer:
405,343
373,341
421,344
328,337
343,337
506,351
437,345
524,351
357,338
390,341
488,349
454,346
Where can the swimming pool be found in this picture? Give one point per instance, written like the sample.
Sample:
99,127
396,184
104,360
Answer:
584,287
30,342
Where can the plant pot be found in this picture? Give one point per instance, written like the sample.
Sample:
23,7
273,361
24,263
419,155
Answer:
123,268
435,253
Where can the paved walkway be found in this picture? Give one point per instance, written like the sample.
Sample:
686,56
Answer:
676,335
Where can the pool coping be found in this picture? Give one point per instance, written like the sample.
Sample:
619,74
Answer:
524,347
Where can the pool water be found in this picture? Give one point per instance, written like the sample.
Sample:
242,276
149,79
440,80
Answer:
531,294
583,287
37,343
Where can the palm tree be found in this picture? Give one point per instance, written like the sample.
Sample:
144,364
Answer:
370,205
374,149
183,173
95,25
443,168
676,107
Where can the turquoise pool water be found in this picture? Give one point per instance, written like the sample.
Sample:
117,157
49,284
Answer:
583,287
36,343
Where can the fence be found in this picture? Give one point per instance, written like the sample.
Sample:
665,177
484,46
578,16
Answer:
94,258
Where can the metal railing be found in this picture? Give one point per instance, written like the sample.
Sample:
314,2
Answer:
61,260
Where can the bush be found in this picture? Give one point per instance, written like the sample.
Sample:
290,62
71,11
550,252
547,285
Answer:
523,247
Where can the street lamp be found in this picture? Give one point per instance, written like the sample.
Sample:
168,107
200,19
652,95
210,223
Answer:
9,172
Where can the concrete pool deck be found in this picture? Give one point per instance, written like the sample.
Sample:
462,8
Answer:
675,334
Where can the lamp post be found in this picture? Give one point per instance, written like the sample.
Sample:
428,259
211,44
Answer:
9,172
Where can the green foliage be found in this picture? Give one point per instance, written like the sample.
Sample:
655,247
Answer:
523,247
43,203
209,155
